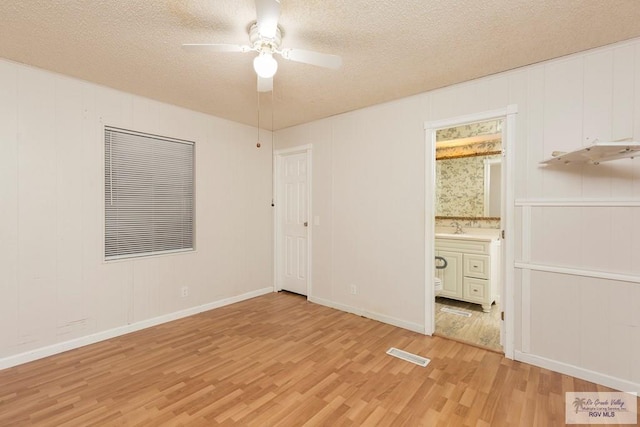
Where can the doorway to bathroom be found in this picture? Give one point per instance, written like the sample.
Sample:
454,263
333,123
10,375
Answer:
468,195
467,232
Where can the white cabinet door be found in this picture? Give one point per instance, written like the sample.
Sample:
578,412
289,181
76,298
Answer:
452,275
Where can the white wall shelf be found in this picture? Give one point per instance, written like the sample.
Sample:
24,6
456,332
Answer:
595,153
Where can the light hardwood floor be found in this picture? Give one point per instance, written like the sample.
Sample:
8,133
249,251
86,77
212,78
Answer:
279,360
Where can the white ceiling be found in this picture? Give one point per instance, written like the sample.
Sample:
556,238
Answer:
390,49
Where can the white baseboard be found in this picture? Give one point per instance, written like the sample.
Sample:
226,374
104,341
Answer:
50,350
415,327
576,371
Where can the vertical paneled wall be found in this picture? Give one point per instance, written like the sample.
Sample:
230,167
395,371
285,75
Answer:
578,249
577,254
54,283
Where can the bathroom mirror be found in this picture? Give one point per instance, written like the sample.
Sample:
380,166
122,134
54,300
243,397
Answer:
492,186
469,186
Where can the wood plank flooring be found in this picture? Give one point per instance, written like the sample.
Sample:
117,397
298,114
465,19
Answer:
279,360
481,329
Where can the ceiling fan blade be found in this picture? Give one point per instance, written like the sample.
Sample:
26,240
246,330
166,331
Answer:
268,13
216,47
314,58
265,85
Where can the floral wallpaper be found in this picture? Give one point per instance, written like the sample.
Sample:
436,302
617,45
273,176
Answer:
466,131
460,187
460,173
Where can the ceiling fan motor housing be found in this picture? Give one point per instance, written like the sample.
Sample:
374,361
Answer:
264,44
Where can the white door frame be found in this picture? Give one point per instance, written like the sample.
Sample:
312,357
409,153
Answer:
277,244
507,272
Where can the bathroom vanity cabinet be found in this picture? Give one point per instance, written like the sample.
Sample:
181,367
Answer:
472,272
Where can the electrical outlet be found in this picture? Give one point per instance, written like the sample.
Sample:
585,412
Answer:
184,291
353,289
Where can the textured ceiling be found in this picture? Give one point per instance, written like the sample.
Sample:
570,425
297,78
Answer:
390,49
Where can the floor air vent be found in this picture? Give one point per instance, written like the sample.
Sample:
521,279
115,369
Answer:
455,311
409,357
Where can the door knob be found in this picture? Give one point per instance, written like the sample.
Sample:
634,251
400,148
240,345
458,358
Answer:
306,223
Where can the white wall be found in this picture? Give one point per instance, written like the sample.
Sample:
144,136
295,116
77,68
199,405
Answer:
368,190
55,288
577,269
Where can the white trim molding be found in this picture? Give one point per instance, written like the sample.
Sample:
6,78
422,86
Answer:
294,150
508,271
415,327
525,306
429,229
563,203
575,371
471,118
578,272
51,350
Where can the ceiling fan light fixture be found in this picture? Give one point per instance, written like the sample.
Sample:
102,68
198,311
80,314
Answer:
265,65
265,38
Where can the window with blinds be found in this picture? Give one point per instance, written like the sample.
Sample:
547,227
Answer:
148,192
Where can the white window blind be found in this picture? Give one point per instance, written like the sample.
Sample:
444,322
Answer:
148,191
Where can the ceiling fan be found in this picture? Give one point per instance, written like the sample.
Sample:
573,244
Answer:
265,37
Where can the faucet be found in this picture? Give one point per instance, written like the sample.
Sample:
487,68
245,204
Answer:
458,227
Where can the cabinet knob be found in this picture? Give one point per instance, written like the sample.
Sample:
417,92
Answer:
443,264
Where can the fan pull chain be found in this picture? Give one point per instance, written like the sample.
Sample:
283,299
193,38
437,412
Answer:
272,153
258,138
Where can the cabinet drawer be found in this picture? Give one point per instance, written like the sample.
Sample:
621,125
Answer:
476,290
476,266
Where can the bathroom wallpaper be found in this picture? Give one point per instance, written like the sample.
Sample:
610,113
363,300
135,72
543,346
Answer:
460,174
466,131
460,187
